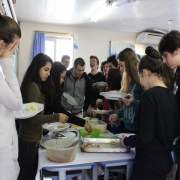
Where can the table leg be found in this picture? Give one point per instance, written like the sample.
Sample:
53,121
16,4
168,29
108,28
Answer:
106,173
95,175
83,175
62,175
129,170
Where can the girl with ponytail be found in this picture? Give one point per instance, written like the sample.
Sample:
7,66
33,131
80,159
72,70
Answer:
158,120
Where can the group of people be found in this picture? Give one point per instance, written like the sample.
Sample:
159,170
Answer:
41,84
150,110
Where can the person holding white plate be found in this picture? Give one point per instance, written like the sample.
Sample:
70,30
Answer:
158,121
114,83
37,87
98,79
10,98
130,85
78,85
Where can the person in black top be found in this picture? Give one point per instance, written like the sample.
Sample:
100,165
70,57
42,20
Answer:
105,68
158,121
112,62
96,76
169,47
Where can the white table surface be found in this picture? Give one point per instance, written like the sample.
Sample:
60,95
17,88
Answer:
83,159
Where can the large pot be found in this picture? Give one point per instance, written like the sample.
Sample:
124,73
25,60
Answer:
57,151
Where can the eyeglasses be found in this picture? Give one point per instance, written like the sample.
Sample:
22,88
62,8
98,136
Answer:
165,55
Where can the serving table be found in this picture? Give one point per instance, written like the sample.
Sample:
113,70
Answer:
84,161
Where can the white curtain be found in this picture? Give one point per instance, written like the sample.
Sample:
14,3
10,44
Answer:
117,46
140,49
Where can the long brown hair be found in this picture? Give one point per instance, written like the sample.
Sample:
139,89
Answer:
9,29
130,75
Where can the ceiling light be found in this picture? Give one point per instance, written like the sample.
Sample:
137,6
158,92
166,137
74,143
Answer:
102,11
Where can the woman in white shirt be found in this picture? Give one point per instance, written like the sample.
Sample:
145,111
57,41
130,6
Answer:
10,98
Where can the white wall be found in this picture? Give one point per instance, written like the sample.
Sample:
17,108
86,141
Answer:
90,42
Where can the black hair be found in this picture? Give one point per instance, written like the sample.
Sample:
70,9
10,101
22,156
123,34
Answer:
114,82
112,59
79,61
169,42
58,69
95,57
102,64
153,62
32,75
9,29
114,79
64,57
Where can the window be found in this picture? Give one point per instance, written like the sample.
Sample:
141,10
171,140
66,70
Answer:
57,46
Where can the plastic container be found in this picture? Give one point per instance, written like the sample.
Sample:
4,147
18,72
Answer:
56,150
94,134
98,124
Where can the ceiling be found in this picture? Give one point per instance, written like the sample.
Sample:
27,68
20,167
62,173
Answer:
123,16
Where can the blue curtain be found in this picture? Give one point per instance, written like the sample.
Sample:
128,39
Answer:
38,44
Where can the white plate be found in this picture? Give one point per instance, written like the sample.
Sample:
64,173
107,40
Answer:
113,95
25,114
70,99
53,127
102,111
125,134
100,84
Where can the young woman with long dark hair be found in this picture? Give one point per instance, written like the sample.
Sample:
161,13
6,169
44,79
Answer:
37,87
58,75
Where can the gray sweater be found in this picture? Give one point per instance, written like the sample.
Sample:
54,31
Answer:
81,90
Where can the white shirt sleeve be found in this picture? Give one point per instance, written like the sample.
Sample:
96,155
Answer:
10,95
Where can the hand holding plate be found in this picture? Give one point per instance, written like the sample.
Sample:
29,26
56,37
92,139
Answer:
128,100
63,99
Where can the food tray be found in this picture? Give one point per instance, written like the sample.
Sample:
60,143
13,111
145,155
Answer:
102,145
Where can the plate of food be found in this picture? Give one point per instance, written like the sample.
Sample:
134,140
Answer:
100,84
114,95
29,110
98,111
70,99
56,127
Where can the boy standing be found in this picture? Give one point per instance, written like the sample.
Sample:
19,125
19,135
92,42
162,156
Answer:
169,47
